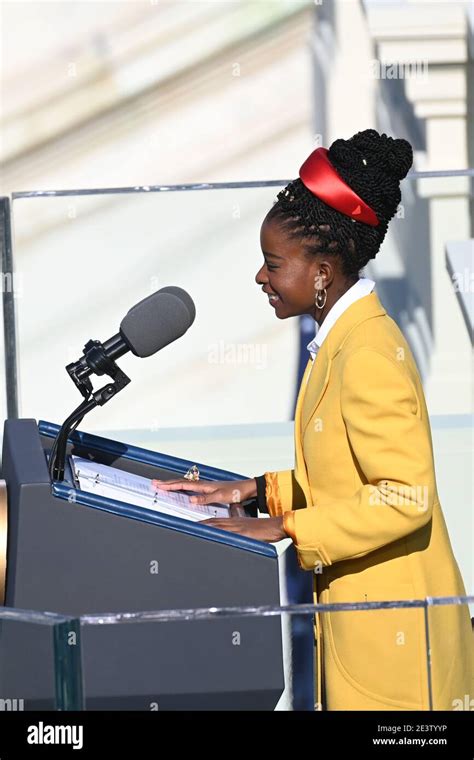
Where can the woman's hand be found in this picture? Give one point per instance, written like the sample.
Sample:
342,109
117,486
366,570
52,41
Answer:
211,491
231,492
262,529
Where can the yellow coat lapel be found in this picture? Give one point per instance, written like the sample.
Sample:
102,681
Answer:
317,383
316,378
300,467
362,309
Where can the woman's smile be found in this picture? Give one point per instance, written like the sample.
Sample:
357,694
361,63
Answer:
273,298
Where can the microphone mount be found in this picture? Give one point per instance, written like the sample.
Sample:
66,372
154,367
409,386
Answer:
95,361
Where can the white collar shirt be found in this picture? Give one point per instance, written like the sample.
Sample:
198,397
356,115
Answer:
362,287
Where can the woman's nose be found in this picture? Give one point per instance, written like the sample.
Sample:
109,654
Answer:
260,277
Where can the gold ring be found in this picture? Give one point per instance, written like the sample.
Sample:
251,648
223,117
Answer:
192,473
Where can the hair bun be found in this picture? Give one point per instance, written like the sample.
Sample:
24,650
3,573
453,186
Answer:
398,157
373,153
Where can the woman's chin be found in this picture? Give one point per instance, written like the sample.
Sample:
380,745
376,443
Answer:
283,312
278,308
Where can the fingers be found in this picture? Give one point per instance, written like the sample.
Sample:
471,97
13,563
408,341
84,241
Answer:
210,498
218,522
236,510
233,526
188,485
157,483
208,492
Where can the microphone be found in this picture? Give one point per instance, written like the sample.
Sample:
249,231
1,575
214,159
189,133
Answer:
149,326
158,320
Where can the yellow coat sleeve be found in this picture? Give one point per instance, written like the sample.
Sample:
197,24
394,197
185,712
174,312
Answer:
392,446
283,492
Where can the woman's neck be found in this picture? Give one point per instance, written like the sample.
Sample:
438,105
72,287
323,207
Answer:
332,297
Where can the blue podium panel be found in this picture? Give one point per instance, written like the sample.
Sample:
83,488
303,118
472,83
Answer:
77,553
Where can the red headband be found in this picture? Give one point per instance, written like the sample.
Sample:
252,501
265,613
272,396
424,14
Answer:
320,176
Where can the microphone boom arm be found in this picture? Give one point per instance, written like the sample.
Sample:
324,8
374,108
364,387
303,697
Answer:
96,360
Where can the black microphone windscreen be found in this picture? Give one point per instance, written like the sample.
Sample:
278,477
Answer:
157,320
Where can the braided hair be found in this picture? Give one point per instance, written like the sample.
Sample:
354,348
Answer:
372,165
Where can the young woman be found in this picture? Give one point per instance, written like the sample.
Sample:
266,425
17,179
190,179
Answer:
361,504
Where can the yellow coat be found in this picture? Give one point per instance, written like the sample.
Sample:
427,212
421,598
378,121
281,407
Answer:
362,507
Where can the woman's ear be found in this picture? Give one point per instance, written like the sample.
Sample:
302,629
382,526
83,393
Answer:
324,274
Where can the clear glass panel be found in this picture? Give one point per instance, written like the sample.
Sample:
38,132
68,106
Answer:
257,658
239,658
40,661
85,260
190,663
224,394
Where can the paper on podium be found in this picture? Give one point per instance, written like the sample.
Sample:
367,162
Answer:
135,489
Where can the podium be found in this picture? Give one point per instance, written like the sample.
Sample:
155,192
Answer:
80,554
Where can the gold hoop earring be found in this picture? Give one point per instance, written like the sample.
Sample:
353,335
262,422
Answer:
318,296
